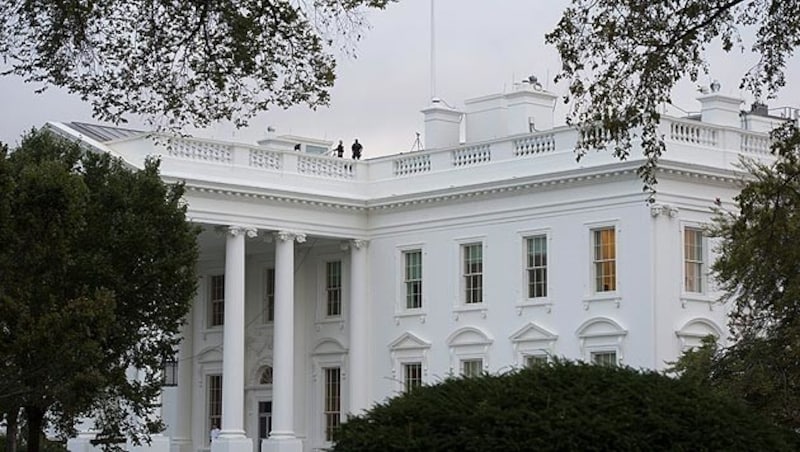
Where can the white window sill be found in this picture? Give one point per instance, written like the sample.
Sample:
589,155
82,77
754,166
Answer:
212,331
602,297
330,321
410,314
467,308
533,303
690,297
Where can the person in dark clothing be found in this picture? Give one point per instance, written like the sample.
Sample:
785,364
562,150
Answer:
339,150
297,147
357,150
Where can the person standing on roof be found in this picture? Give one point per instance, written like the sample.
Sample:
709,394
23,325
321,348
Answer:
339,150
357,150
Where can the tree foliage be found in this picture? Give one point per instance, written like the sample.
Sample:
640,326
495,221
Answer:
561,406
759,271
621,59
182,61
96,276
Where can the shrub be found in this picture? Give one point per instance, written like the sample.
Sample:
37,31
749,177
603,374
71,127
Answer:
561,406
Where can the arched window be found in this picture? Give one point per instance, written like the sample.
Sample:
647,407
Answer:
266,376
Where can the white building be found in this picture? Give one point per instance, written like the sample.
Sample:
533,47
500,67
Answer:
327,284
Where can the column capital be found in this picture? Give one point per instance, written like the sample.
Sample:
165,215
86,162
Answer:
354,244
248,231
285,236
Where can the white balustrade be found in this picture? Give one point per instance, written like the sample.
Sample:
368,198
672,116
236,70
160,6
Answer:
755,143
326,167
264,159
472,155
535,144
200,150
404,166
701,134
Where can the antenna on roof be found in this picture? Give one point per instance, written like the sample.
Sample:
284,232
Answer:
433,53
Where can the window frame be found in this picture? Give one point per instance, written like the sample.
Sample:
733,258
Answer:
268,306
596,357
598,262
333,294
466,364
213,414
328,430
466,279
216,304
409,280
526,240
412,382
702,280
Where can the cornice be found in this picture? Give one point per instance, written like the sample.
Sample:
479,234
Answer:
501,186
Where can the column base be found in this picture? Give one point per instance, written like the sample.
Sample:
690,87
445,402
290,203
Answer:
240,444
281,445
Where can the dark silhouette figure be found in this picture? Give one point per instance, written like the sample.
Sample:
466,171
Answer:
357,150
339,150
297,147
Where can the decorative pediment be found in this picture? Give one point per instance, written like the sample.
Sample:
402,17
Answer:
531,332
469,335
409,341
210,355
699,328
329,346
600,327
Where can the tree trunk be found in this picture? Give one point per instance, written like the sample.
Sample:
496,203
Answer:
12,428
35,417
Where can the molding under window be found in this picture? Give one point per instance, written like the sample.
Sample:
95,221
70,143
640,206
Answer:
690,297
479,308
419,314
602,297
533,303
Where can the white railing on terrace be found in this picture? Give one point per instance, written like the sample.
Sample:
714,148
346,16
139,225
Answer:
413,164
325,167
689,139
698,133
472,155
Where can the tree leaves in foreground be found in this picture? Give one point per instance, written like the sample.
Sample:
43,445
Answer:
759,271
183,62
562,406
622,58
97,272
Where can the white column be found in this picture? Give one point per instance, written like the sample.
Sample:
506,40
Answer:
231,437
182,439
359,333
282,437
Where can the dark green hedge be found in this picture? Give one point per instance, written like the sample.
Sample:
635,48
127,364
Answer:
562,406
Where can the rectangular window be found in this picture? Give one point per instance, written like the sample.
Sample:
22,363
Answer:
412,376
333,401
264,419
535,360
471,367
536,266
269,296
214,401
333,288
413,278
693,260
473,273
216,314
605,259
604,358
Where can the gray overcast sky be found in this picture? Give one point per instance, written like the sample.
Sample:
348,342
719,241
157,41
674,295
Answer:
481,47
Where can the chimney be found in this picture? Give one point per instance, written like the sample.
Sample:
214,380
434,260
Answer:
442,125
719,109
530,108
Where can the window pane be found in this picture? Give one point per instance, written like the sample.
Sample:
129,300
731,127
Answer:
412,373
473,273
537,266
471,367
217,301
604,358
413,278
214,401
269,296
333,288
332,409
693,260
605,266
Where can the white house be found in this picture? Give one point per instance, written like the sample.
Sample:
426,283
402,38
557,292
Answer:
328,284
